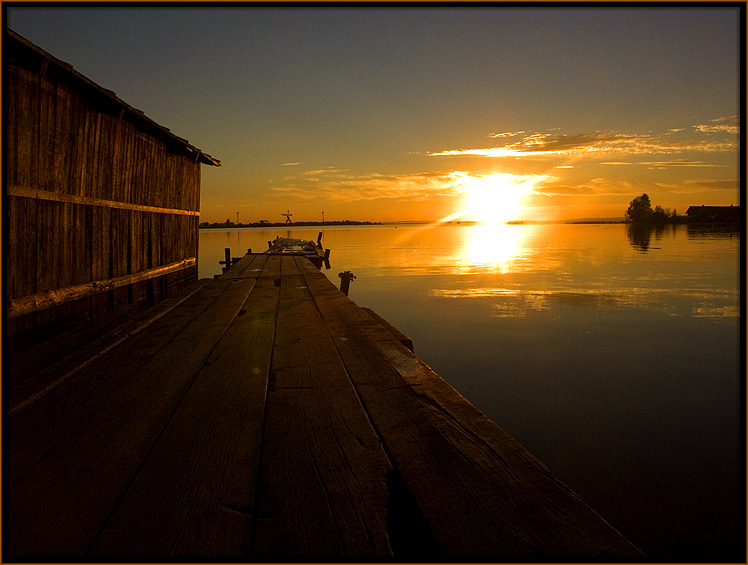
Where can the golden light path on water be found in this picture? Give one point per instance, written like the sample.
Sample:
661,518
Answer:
491,201
488,247
497,247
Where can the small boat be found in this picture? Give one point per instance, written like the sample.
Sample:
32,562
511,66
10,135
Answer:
291,246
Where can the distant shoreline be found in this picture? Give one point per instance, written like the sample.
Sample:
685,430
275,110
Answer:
232,225
589,221
224,225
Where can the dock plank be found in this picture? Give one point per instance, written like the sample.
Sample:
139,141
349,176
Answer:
323,490
40,425
269,418
214,440
495,499
58,507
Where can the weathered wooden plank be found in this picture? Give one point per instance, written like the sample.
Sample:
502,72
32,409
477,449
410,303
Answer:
124,157
100,244
251,266
47,254
288,265
65,237
31,238
72,198
91,187
13,246
496,501
135,254
28,128
47,299
117,157
205,511
43,409
108,177
12,127
399,336
48,232
57,508
119,252
47,121
272,267
65,143
323,489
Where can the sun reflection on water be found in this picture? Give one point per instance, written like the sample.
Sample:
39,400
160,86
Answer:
496,247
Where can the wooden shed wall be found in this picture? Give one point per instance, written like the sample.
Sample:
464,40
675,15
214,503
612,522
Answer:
90,198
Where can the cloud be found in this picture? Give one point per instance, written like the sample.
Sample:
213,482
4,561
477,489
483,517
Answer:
594,187
341,186
507,134
729,124
289,164
678,163
602,186
701,185
601,143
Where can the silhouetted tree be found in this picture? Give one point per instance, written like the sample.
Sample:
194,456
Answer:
660,215
640,209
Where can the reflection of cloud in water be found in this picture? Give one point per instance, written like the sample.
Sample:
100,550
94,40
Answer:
513,303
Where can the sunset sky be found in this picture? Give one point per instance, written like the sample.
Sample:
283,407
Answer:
424,113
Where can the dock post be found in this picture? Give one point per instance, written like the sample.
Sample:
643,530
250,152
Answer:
227,252
345,281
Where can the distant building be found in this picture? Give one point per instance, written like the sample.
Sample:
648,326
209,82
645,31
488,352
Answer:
102,205
715,214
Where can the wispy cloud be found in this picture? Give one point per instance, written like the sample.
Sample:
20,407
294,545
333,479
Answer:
289,164
730,124
507,134
602,186
342,186
604,144
701,185
679,163
599,186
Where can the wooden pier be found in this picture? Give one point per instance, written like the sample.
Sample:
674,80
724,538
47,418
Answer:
266,417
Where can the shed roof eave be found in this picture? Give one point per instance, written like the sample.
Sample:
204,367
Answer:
129,113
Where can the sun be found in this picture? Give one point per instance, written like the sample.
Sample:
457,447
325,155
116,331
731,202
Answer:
495,198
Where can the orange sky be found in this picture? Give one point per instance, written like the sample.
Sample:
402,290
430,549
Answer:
393,113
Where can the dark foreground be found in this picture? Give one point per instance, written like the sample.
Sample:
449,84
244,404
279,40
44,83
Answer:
268,417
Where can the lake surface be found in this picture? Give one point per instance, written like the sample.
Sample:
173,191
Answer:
613,356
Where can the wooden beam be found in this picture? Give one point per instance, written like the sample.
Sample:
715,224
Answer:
39,194
49,298
214,438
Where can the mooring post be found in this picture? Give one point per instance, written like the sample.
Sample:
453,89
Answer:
345,281
227,252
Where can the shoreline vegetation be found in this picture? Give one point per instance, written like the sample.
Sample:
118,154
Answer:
639,213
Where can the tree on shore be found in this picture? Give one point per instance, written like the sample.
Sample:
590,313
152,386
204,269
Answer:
640,212
640,209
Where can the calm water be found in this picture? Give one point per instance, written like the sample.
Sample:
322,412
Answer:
614,357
